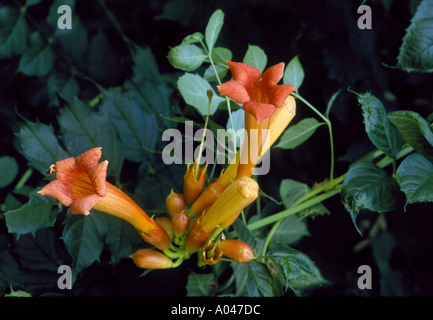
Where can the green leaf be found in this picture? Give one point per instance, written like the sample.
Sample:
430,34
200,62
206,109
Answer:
193,89
414,130
40,252
199,285
219,56
259,282
13,32
145,66
39,145
297,134
256,57
9,170
291,230
83,238
299,270
382,133
135,126
294,73
193,38
18,294
38,59
65,86
37,213
213,28
84,129
366,186
186,57
416,51
121,238
415,176
243,233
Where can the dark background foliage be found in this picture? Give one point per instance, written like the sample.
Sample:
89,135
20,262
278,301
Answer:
335,55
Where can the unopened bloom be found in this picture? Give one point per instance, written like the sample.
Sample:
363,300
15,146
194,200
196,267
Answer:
81,184
223,211
174,203
194,181
180,223
237,250
151,259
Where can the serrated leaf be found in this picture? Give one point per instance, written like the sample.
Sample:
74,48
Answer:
243,233
39,145
415,176
294,74
186,57
9,170
213,28
145,66
84,129
416,51
135,127
291,230
259,282
193,89
38,59
298,133
37,213
13,32
40,252
219,56
366,186
121,238
256,57
291,191
414,130
83,239
199,285
382,133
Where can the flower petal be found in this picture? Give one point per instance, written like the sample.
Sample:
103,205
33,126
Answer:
278,94
83,205
260,111
65,169
234,90
98,176
247,75
89,158
58,190
273,74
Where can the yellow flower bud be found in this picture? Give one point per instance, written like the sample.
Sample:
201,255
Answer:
237,250
151,259
194,180
175,203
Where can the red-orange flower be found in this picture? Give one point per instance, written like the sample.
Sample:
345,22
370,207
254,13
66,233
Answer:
81,185
259,93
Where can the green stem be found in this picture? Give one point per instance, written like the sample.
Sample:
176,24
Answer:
219,82
288,212
24,179
328,123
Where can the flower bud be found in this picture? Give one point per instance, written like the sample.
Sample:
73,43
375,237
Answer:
237,250
175,203
194,180
211,253
180,223
151,259
165,223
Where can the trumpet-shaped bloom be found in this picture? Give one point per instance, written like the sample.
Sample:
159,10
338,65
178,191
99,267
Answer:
81,184
223,211
211,253
259,93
